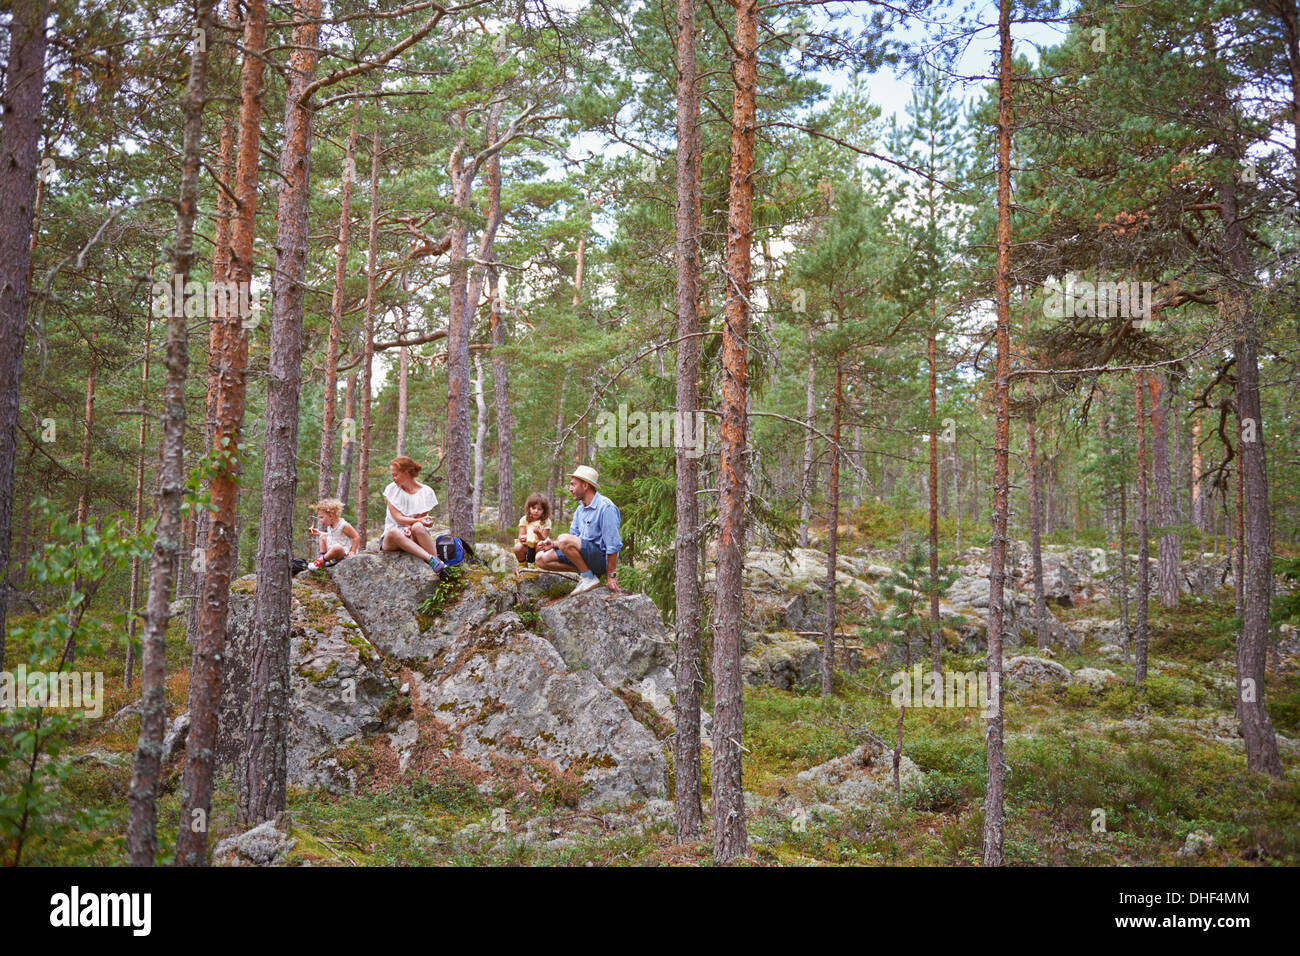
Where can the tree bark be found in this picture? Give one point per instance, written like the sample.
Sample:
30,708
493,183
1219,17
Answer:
1042,637
501,393
729,834
336,310
1198,505
403,375
457,454
810,412
220,270
1252,645
134,594
936,632
993,796
348,444
142,826
20,131
265,756
231,361
1169,546
688,814
368,338
480,436
832,538
1144,547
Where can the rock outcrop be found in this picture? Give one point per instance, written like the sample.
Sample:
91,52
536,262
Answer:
337,686
410,674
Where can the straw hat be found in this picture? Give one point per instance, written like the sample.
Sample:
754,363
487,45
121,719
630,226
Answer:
588,474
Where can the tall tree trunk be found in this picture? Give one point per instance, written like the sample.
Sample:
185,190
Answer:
480,436
142,826
403,376
956,492
688,812
232,362
265,755
1123,548
196,557
336,310
348,444
729,834
832,538
1042,637
20,130
810,411
993,796
133,595
368,336
1169,547
457,448
501,394
1252,646
1144,547
936,632
1198,505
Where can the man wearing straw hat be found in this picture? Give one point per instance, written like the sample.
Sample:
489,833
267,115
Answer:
591,547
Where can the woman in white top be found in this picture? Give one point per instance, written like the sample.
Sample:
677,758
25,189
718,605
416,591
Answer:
408,519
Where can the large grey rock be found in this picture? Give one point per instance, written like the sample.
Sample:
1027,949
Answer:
1095,678
383,592
336,685
782,660
534,587
804,570
264,845
621,638
502,692
863,775
1027,671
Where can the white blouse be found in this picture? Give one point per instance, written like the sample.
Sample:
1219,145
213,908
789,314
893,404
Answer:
419,502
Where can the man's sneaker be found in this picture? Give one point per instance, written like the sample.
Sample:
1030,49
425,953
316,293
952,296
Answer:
438,566
586,582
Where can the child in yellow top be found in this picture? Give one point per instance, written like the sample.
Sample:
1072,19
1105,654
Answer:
534,526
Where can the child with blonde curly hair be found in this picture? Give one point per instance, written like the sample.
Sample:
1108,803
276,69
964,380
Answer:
337,538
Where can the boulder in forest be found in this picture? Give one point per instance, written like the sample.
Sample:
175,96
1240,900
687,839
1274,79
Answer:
863,775
383,591
505,700
337,687
578,698
1095,677
621,638
1026,671
782,660
264,845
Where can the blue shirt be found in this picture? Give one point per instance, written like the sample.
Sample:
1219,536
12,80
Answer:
598,522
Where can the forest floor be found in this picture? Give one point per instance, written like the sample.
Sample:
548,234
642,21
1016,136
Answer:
1153,761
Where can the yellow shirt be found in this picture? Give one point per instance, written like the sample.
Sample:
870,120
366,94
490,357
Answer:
537,530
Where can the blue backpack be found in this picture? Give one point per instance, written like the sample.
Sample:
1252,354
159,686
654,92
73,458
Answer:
452,551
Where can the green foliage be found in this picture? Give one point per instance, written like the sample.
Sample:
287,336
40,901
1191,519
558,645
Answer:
72,565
